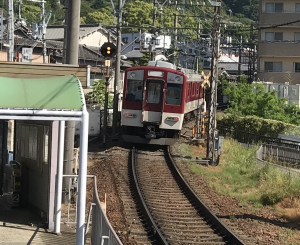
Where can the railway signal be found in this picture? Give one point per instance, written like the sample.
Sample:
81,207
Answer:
108,50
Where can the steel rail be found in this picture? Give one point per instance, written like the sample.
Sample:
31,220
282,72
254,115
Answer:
228,235
155,231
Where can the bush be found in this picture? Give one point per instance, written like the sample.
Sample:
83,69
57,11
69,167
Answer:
255,125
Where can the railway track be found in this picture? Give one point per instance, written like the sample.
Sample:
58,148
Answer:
171,212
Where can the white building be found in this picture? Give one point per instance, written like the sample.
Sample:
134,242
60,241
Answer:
137,41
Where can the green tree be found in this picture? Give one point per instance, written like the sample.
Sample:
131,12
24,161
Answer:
145,59
97,96
252,99
31,13
103,17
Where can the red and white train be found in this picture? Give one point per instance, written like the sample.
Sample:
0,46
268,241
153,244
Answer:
156,100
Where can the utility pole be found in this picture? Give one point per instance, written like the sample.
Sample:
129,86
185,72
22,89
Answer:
66,4
117,69
153,36
72,58
10,30
154,15
212,134
44,32
175,36
20,7
240,60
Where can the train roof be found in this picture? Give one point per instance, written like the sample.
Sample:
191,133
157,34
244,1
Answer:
191,74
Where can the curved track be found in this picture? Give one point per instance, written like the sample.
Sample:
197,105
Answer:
171,212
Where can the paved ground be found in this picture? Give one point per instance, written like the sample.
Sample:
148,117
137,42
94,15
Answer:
20,226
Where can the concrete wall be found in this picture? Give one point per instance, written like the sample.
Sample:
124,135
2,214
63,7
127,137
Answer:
36,58
95,39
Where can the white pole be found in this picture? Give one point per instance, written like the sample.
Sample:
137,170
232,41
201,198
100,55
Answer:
59,177
80,226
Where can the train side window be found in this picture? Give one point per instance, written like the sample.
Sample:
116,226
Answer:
174,92
154,93
134,90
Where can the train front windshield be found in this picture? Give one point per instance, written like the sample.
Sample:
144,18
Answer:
134,90
174,94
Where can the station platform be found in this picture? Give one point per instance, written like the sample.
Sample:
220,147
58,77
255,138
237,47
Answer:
20,226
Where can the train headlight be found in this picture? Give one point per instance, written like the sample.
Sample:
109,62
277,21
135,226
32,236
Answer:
173,119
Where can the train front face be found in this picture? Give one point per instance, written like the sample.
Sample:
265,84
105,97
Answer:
153,105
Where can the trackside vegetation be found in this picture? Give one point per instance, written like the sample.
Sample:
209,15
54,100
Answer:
238,175
253,100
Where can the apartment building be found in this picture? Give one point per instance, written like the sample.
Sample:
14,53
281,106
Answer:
279,41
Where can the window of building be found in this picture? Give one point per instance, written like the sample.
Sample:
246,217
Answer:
153,93
174,92
125,39
134,90
274,36
297,36
297,8
190,51
273,66
206,63
274,7
296,67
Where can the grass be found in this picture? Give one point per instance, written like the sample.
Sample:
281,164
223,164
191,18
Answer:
238,175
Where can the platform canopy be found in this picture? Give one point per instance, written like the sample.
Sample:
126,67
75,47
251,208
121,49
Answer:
41,97
53,99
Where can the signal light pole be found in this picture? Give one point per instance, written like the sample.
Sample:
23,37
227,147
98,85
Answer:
107,77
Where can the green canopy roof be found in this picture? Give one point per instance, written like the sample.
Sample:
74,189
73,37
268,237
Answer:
55,93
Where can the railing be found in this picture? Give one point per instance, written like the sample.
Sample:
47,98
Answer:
281,167
281,154
102,232
250,138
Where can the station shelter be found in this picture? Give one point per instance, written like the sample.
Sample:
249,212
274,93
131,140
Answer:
39,108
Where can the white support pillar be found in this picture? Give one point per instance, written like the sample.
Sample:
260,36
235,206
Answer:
59,177
81,201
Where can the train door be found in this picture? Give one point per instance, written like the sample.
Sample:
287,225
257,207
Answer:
153,101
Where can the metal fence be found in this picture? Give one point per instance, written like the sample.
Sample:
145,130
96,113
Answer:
102,231
250,138
273,153
281,167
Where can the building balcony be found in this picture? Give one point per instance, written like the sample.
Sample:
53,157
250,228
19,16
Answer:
279,49
273,19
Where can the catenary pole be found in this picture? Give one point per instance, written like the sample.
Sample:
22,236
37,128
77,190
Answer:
44,32
117,69
10,30
73,26
211,150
